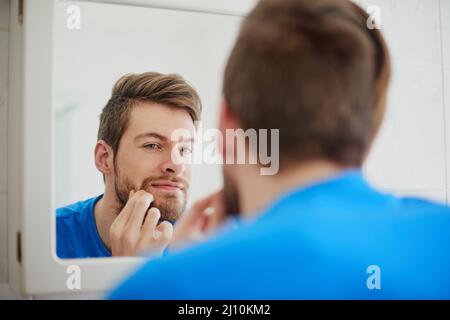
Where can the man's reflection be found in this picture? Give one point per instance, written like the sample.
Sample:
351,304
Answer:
145,189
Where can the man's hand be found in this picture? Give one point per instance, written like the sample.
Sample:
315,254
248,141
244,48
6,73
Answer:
136,231
200,221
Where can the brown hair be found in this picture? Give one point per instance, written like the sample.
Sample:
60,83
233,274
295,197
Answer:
315,71
169,89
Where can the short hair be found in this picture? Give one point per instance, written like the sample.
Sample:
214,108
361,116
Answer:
313,70
168,89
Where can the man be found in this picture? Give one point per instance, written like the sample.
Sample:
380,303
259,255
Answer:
134,154
316,230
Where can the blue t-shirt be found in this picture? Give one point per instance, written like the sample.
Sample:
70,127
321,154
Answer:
335,239
76,232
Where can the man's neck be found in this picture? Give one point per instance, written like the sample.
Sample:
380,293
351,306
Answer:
105,212
257,191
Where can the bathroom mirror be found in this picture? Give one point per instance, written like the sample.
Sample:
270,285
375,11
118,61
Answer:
72,52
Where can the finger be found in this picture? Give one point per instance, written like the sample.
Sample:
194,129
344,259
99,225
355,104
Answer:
156,241
216,213
197,213
164,232
151,221
142,201
210,217
121,220
153,234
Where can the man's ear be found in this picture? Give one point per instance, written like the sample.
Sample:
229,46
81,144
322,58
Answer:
227,120
104,157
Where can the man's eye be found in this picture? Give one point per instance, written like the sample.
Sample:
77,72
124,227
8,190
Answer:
185,150
152,146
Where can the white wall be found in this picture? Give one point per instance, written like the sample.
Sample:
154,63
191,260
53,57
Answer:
411,154
444,6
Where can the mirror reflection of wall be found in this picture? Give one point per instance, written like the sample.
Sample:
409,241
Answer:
114,40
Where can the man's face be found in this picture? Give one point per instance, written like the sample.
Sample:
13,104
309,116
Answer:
144,159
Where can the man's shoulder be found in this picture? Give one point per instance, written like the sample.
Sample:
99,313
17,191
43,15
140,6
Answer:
169,277
265,236
218,253
421,205
75,231
74,209
415,213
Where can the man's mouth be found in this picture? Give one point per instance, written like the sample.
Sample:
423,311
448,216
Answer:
166,185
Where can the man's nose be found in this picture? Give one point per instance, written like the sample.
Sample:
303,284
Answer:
170,169
170,166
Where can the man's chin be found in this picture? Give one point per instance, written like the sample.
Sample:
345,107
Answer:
170,209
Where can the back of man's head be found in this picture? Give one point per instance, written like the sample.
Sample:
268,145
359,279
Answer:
313,70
